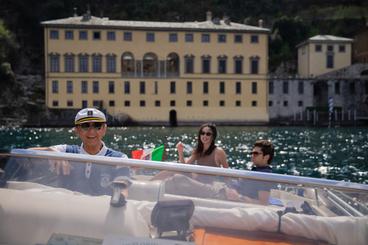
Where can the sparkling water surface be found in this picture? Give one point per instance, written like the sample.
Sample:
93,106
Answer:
338,153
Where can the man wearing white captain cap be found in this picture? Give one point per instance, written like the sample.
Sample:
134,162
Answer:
90,126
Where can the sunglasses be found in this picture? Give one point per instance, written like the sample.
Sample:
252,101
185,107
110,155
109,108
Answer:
86,126
206,133
256,153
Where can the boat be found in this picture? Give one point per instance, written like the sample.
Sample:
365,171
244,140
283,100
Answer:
170,203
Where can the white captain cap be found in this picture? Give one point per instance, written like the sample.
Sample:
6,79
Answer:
89,115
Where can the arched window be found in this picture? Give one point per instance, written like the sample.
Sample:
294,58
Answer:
172,64
150,65
127,64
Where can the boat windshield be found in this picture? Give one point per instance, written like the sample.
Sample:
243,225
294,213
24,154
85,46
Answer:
50,198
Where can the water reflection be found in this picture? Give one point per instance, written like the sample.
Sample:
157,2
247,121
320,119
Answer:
316,152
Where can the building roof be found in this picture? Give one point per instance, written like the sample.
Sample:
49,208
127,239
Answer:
325,39
96,22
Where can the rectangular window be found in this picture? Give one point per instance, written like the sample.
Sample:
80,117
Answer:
55,103
300,103
55,86
127,36
221,38
97,103
330,48
300,87
222,66
83,35
189,37
172,87
189,87
254,103
254,39
69,63
97,63
254,88
69,35
337,87
270,87
111,63
173,37
142,87
54,63
157,103
111,36
205,87
69,103
205,103
112,103
189,103
96,35
206,65
222,87
84,87
83,63
69,87
84,103
222,103
286,103
111,87
142,103
318,48
155,88
329,61
238,66
150,37
172,103
238,103
254,66
205,38
238,38
270,103
352,88
238,87
342,48
126,87
54,34
95,87
285,87
189,65
127,103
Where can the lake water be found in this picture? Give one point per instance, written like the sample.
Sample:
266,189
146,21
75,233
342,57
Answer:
338,153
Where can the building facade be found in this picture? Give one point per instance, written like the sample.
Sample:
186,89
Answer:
360,47
323,53
158,72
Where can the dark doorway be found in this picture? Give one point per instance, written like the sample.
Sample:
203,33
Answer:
173,119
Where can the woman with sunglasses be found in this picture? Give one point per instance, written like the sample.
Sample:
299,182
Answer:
206,153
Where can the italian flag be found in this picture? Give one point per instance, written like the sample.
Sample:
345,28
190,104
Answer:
154,154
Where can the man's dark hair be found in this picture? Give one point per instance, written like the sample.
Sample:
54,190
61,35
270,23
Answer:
266,148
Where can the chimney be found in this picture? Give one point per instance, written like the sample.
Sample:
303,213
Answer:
75,12
208,15
226,20
87,15
260,23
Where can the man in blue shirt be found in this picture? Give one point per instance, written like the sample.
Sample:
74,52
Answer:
90,126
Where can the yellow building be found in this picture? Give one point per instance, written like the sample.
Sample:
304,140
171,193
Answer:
158,72
323,53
